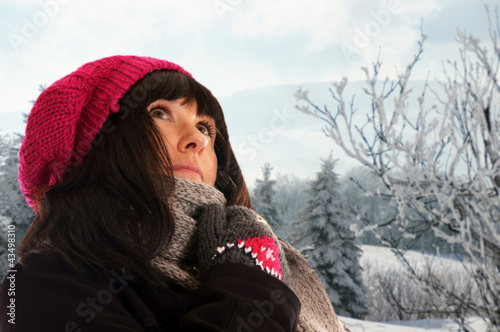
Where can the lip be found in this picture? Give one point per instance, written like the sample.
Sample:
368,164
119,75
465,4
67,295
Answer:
189,167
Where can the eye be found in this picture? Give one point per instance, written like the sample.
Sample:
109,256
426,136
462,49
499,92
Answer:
159,113
206,128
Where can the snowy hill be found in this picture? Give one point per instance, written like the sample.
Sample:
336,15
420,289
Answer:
381,256
264,126
382,259
434,325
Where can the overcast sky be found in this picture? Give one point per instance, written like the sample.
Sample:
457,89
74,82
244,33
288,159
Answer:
228,45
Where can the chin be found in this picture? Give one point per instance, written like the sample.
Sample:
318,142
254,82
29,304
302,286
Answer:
188,175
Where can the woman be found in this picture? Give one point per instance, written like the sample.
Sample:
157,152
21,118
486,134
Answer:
143,219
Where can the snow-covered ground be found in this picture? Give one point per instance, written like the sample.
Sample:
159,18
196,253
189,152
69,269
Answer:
476,325
381,255
381,258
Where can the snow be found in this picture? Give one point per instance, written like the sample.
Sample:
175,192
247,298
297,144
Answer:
476,324
383,256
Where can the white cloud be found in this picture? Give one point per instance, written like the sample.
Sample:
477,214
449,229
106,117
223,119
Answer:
421,8
271,19
303,133
390,30
257,43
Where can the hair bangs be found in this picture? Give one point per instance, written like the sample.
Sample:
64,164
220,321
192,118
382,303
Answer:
173,85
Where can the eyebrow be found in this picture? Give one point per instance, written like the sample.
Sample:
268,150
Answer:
164,103
157,103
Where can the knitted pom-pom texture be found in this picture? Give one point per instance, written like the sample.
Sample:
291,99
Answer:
68,115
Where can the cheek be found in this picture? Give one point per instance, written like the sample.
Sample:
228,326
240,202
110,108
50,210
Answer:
167,134
211,168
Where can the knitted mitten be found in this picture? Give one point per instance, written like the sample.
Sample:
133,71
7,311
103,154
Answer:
236,234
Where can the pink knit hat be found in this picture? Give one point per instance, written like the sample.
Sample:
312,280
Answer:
69,114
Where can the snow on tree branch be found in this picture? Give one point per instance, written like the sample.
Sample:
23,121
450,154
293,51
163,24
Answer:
439,162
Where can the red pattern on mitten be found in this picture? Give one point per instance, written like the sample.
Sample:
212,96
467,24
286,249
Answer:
265,252
240,236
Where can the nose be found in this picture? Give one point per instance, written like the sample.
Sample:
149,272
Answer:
192,140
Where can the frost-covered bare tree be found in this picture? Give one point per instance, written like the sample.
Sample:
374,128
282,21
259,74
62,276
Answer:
357,187
440,163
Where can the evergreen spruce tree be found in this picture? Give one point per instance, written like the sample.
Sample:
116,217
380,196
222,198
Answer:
14,210
263,198
336,254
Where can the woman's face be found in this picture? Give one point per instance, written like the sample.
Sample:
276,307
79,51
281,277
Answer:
189,138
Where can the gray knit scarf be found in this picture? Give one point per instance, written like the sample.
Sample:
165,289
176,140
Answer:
179,261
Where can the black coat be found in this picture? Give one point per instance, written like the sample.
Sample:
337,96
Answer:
49,296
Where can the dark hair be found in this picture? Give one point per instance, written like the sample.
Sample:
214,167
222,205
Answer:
107,213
